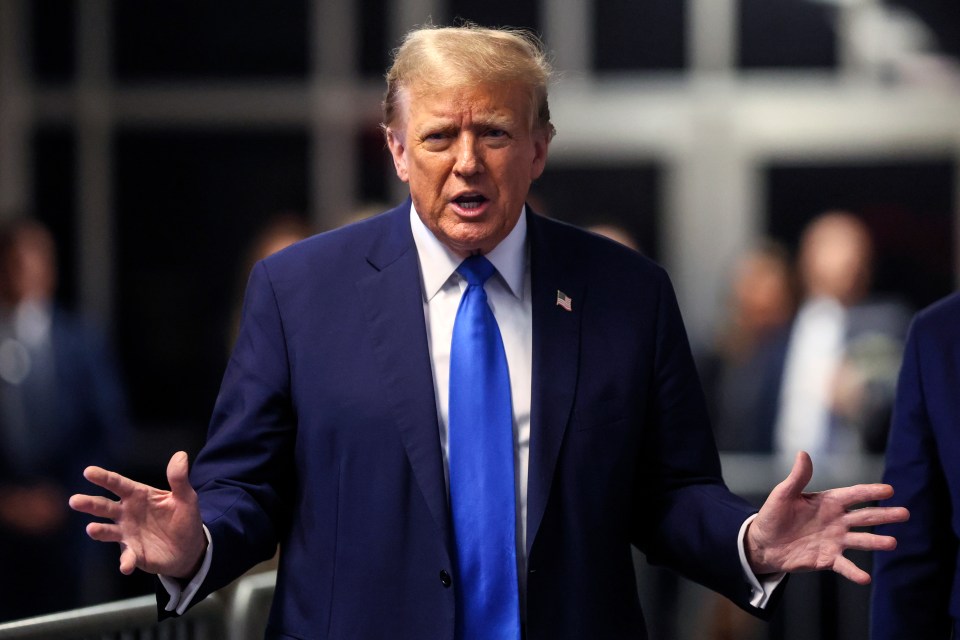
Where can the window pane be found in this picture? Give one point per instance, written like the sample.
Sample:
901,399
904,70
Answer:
188,205
54,190
496,13
167,39
640,36
787,33
52,43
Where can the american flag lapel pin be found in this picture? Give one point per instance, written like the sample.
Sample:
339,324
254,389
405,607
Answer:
565,301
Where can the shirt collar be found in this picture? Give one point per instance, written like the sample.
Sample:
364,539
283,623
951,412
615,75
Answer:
438,262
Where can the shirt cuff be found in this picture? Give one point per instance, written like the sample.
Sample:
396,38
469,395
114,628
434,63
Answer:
761,587
181,597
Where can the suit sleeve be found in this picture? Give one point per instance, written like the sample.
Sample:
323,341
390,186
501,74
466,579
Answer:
244,474
684,515
912,584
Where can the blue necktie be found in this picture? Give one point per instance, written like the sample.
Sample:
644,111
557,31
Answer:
481,467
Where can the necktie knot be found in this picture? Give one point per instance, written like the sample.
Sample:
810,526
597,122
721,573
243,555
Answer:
476,270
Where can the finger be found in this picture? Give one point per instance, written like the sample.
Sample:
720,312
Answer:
95,506
103,532
800,475
111,481
128,561
861,493
178,475
869,542
873,516
850,571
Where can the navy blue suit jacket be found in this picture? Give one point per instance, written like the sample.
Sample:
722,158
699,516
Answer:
325,439
916,592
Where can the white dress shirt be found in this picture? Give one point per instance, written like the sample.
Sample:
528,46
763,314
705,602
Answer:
813,357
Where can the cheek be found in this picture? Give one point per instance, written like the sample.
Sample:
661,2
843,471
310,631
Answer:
430,170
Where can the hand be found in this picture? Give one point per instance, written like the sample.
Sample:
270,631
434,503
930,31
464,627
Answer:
797,531
158,531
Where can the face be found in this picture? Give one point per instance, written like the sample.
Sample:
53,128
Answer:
29,272
835,260
469,155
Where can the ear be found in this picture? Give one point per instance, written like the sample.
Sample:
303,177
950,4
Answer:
395,140
541,142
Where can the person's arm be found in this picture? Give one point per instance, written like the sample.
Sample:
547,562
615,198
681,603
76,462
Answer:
685,517
912,585
159,531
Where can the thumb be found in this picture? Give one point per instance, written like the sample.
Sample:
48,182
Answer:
178,475
800,475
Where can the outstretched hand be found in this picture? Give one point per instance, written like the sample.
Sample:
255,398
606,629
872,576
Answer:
158,531
798,531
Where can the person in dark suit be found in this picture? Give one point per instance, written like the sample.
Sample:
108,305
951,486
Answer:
61,407
338,429
916,594
740,371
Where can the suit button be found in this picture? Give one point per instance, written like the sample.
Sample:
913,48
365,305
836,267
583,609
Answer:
445,578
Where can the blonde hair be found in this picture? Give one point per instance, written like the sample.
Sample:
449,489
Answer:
433,58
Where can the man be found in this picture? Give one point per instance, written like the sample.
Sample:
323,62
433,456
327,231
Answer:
61,407
844,348
340,429
916,593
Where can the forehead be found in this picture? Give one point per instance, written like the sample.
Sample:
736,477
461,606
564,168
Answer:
487,100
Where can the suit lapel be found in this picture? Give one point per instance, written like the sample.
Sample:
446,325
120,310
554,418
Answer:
556,357
393,304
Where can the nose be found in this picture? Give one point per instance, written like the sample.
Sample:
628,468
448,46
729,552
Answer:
469,161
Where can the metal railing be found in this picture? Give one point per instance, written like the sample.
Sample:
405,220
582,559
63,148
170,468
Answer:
131,619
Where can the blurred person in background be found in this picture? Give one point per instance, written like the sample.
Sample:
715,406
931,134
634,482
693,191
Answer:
615,232
740,371
61,405
844,349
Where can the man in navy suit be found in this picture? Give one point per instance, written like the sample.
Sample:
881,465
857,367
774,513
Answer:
916,593
330,433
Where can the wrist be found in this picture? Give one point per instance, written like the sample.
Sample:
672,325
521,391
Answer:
190,570
756,552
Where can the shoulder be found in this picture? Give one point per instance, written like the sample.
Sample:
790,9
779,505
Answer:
341,250
945,309
940,320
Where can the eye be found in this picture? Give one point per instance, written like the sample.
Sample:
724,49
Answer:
496,133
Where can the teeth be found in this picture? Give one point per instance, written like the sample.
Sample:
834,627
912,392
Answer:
470,202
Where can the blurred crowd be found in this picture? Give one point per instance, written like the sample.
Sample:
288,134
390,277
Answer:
808,356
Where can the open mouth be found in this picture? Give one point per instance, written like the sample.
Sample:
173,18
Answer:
469,202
